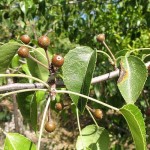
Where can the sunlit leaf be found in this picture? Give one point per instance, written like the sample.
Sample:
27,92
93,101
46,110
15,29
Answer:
94,138
78,70
132,78
136,125
15,141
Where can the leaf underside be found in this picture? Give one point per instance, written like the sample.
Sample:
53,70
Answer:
136,124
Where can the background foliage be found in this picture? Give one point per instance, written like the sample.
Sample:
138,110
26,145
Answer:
126,25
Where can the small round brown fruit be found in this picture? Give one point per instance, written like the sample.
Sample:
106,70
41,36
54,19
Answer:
147,112
25,39
98,113
101,38
50,126
43,41
23,52
57,60
58,106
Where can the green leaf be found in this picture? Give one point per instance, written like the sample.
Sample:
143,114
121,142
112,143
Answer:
15,141
136,124
7,52
24,102
78,70
36,69
40,96
132,78
33,113
25,68
15,61
94,138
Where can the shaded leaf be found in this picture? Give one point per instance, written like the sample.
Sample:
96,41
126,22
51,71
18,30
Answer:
136,124
36,69
24,101
33,113
93,138
132,78
15,141
78,70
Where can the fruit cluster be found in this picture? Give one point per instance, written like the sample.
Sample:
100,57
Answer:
57,61
43,42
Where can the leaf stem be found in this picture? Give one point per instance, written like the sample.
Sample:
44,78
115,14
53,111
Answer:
20,91
78,121
138,49
112,55
87,97
146,56
42,124
25,45
88,109
47,56
99,51
25,76
37,61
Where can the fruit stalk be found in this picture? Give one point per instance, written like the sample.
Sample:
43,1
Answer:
47,56
29,56
113,57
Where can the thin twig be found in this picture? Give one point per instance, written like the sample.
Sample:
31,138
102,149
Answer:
87,97
47,56
112,55
19,91
78,121
42,124
15,111
88,109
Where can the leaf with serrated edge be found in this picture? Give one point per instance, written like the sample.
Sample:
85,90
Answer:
94,138
132,78
15,141
136,124
78,70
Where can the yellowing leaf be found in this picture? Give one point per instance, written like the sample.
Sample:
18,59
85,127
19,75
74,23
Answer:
132,78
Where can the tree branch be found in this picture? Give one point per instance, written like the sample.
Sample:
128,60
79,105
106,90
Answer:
19,86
